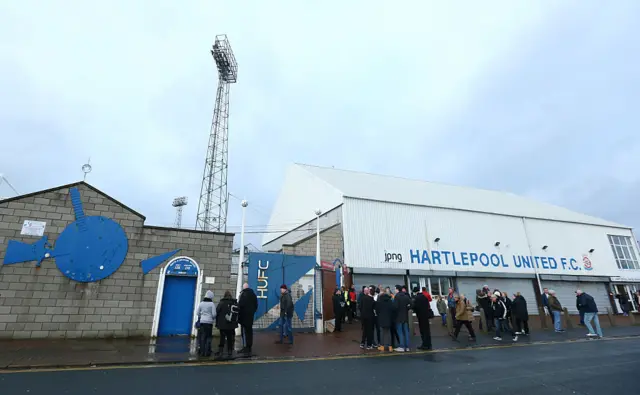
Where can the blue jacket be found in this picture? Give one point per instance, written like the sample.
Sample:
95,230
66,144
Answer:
451,302
586,304
545,300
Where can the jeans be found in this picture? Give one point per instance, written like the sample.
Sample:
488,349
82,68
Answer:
228,338
588,317
501,326
285,329
444,319
247,336
557,323
204,339
469,327
403,333
582,317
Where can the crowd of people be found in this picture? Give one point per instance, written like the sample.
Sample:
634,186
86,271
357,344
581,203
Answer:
385,316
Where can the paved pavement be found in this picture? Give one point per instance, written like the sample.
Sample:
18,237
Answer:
20,354
606,366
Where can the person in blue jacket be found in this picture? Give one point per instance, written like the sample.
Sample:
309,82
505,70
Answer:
586,304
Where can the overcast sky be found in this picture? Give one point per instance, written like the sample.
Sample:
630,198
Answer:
540,100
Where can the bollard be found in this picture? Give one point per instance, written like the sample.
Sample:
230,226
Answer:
543,318
632,319
567,318
412,328
611,318
483,321
449,322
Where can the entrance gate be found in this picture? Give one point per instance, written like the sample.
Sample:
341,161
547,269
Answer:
267,272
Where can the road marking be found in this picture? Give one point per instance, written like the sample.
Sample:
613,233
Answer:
303,359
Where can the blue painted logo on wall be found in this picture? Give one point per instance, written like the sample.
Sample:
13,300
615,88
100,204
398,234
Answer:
495,260
88,250
182,266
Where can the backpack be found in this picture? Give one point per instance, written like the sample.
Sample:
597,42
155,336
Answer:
232,313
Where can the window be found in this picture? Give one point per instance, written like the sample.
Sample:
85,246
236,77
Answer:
624,252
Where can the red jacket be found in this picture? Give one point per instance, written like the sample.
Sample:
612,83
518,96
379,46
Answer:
427,295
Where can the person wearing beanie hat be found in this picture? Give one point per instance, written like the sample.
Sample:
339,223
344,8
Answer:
286,315
206,318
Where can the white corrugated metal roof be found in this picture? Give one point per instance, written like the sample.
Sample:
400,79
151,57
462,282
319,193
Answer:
422,193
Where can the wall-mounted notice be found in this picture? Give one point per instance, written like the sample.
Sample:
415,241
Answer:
33,228
209,280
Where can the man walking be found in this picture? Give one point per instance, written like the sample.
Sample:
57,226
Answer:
247,304
587,305
423,312
286,315
402,304
556,310
451,304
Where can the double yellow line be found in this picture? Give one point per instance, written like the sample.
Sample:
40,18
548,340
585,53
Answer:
267,361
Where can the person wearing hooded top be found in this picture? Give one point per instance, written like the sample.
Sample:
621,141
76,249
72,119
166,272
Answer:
338,308
384,311
366,315
423,311
206,317
227,322
286,315
500,316
521,314
402,305
248,305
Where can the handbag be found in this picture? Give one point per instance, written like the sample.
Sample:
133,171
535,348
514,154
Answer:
197,325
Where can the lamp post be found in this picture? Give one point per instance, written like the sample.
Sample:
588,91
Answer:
241,260
320,320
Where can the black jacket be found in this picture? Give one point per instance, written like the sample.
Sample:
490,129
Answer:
384,310
286,305
222,310
366,307
422,308
402,305
338,304
508,304
519,308
499,309
586,304
248,304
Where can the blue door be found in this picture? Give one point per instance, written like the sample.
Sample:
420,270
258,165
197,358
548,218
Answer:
176,313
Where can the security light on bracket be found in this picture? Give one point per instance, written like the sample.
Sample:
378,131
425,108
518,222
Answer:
544,247
591,250
497,244
437,239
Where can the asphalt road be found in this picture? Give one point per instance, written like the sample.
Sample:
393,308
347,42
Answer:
593,367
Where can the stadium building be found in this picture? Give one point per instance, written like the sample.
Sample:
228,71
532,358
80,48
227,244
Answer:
392,230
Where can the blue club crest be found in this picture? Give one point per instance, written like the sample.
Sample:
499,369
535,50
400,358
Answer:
89,249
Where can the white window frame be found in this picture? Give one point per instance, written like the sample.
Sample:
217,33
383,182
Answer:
624,252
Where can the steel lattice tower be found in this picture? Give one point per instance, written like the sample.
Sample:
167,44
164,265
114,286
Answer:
179,203
212,206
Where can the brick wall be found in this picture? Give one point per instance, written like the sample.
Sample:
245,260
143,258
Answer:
42,302
331,245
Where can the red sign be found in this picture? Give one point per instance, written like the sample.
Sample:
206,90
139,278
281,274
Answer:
326,265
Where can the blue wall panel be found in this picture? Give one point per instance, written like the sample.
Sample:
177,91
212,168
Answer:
176,314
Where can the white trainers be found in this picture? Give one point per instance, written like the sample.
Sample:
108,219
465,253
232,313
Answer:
400,349
515,339
497,338
519,333
591,335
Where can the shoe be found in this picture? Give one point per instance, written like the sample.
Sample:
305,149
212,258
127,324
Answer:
369,347
243,350
472,339
381,348
400,349
515,339
362,346
519,333
591,335
497,338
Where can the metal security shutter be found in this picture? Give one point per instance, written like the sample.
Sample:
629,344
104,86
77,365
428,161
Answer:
468,287
361,280
566,293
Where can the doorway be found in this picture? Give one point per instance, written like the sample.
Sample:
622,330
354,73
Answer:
177,306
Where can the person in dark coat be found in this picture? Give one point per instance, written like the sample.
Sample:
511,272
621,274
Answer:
286,315
508,305
248,305
484,301
500,316
367,305
624,303
521,314
402,305
384,311
587,304
338,308
227,322
423,311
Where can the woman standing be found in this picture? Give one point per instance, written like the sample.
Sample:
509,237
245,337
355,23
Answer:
206,317
521,314
227,322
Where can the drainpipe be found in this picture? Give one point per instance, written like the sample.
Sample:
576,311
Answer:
535,268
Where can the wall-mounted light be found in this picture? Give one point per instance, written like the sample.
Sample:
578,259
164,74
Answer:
497,244
545,247
437,239
591,250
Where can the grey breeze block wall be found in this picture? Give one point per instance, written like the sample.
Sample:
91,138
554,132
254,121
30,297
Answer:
43,303
331,245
